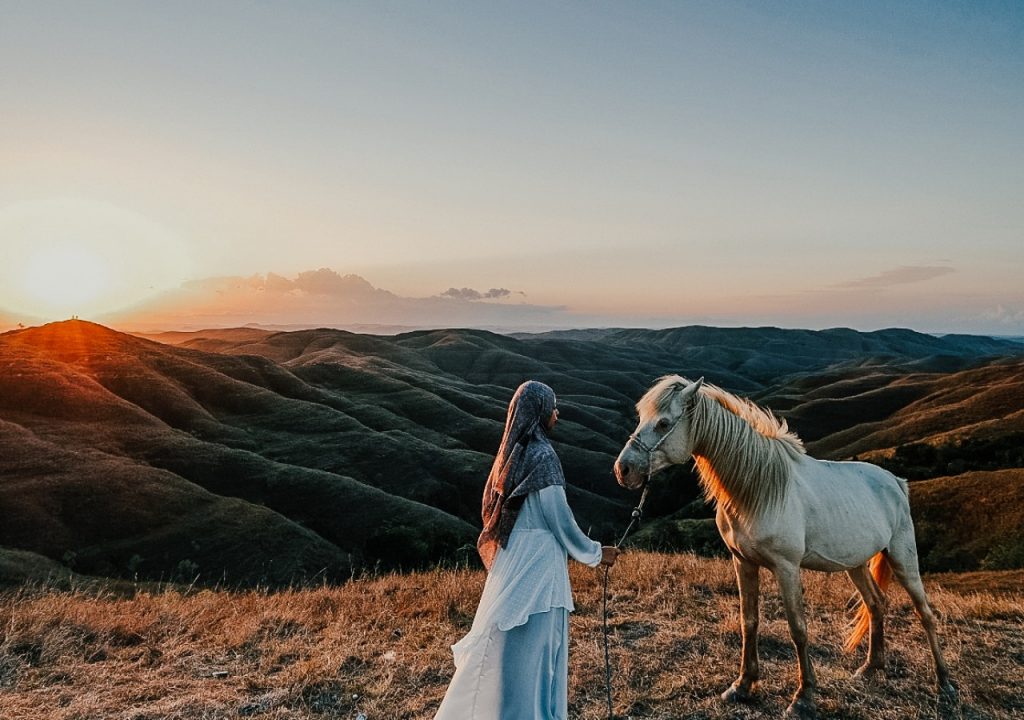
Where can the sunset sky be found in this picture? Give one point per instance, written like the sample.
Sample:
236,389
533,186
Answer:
802,164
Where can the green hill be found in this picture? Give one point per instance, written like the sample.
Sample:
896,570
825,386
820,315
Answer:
249,457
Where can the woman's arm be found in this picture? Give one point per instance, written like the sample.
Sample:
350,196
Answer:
562,525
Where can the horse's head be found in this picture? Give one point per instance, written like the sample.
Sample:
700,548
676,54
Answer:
663,436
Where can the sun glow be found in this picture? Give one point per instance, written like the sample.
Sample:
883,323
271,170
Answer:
64,279
65,257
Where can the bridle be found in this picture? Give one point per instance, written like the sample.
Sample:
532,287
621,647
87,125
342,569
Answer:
638,511
636,440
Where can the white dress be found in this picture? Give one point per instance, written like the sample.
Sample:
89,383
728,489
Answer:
514,662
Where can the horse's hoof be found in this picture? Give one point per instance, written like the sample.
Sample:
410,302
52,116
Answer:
738,694
948,691
803,709
869,673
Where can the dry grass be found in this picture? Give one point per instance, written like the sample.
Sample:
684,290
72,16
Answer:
379,645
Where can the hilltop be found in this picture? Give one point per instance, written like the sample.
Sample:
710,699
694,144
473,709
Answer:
250,456
122,456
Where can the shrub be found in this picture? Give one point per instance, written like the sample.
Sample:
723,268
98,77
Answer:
1008,555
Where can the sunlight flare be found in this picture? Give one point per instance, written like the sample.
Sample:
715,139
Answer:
69,256
63,278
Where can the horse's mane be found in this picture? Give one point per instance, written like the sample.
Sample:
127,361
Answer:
744,465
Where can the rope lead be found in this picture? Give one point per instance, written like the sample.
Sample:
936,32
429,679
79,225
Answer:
637,513
607,659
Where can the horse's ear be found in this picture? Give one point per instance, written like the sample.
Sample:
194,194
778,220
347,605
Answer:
690,390
687,394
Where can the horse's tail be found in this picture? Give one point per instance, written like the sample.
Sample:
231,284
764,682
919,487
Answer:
881,571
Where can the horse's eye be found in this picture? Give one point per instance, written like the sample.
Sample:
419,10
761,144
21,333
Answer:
662,425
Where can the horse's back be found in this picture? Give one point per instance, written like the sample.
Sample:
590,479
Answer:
851,510
860,481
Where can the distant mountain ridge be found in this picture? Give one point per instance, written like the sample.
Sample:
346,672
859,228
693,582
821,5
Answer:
252,456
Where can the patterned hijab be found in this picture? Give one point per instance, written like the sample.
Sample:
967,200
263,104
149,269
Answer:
525,462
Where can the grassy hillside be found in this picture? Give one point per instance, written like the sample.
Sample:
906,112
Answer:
249,456
379,645
974,520
124,457
869,410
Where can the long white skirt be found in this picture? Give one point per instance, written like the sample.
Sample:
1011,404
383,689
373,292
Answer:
516,674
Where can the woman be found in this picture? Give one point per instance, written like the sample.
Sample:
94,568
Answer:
513,664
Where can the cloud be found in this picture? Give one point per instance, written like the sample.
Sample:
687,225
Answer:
463,294
328,282
312,282
325,297
903,275
471,294
1002,315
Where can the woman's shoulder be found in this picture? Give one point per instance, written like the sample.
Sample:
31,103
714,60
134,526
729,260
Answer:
542,453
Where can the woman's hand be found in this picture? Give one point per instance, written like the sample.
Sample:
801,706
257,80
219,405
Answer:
608,555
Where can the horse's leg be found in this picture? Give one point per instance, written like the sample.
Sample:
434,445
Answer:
749,580
902,556
875,603
788,575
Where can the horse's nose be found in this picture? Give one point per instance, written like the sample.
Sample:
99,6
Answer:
622,470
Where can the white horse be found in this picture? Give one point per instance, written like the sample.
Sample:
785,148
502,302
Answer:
780,509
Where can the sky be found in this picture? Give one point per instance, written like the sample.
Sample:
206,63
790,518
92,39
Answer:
563,164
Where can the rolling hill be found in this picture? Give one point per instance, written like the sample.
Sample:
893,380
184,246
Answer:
919,424
254,457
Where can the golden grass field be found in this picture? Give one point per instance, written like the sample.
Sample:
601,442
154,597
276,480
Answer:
380,645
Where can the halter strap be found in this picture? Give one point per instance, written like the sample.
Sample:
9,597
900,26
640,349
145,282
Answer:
649,449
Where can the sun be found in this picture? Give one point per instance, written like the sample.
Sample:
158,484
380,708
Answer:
62,257
65,280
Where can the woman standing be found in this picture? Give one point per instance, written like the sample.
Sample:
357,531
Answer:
513,663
